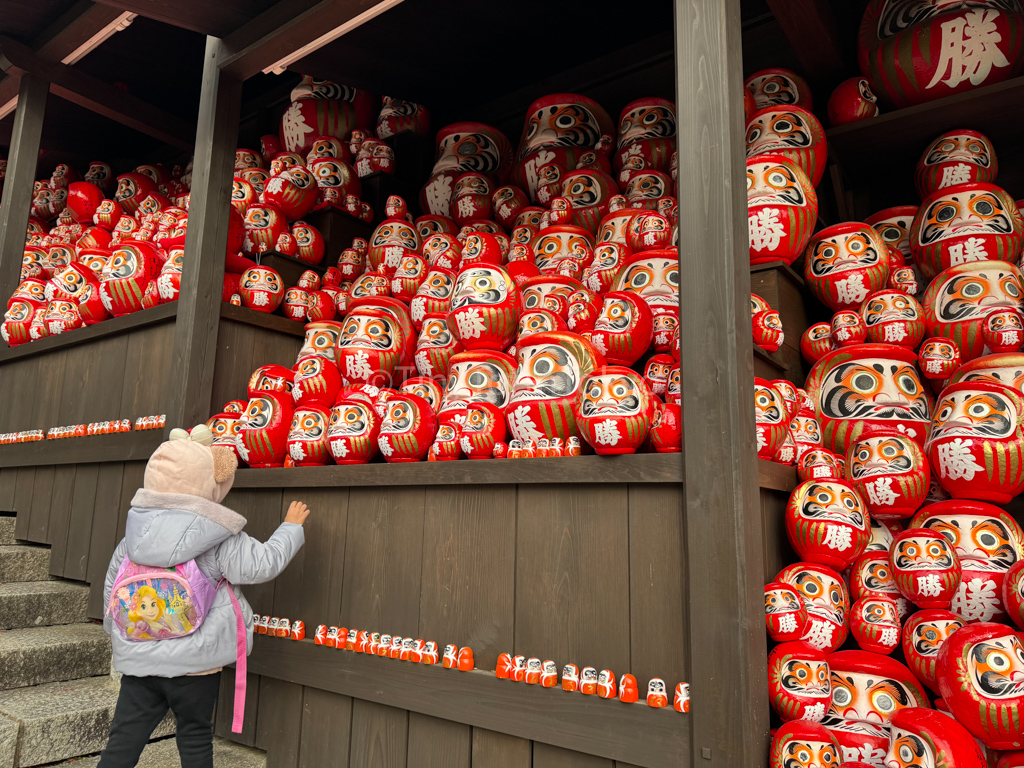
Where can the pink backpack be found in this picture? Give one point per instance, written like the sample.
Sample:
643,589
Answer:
152,603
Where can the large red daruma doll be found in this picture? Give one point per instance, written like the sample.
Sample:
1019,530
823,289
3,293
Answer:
826,523
790,131
461,148
868,386
915,52
615,412
976,441
782,208
845,263
548,385
926,737
959,300
980,671
125,277
890,472
966,223
484,310
262,439
372,346
647,130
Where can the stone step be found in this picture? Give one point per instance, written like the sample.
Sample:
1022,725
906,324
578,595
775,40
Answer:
58,721
42,604
7,531
49,654
24,563
164,754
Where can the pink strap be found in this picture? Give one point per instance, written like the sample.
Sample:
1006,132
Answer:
240,661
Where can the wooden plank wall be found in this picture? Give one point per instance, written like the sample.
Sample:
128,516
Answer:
242,348
581,574
111,377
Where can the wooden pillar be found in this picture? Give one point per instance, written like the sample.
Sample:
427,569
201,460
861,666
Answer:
21,172
727,647
195,334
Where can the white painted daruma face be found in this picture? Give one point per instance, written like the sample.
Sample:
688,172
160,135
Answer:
610,395
868,697
921,553
475,382
350,420
773,184
479,285
974,293
777,130
307,425
889,306
367,332
769,407
967,212
875,456
831,502
656,280
960,147
843,252
560,125
974,414
874,388
546,372
908,750
996,667
773,89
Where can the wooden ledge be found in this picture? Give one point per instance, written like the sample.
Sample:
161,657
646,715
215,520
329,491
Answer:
123,446
89,333
635,468
633,733
262,320
777,477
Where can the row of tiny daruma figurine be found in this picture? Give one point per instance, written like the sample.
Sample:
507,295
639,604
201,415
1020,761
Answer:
518,669
908,436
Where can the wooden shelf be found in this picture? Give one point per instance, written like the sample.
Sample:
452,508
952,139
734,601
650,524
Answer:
777,477
895,140
633,733
635,468
262,320
88,333
289,268
123,446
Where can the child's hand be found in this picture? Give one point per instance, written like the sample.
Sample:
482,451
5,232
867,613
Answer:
297,513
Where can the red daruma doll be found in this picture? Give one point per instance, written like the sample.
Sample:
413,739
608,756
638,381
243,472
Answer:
926,567
890,472
771,419
407,429
799,682
263,432
484,310
616,410
826,523
785,614
782,208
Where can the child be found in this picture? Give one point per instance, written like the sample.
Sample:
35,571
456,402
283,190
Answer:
175,518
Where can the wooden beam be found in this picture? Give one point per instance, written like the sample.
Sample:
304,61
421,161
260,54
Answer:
199,304
122,446
290,26
86,91
810,26
207,18
64,36
18,184
727,647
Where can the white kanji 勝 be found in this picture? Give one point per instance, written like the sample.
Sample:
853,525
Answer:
977,600
357,366
929,585
787,623
969,49
851,290
466,207
955,174
294,126
956,460
814,712
761,441
819,634
766,230
880,492
890,636
471,324
971,249
838,537
607,432
895,332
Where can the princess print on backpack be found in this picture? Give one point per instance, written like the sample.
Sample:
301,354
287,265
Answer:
174,610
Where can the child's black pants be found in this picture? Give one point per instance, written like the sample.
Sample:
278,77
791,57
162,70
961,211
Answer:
141,706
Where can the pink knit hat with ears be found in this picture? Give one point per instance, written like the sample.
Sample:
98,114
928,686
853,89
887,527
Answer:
190,464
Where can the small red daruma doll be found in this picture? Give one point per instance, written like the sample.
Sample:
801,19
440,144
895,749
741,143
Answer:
938,359
890,472
925,567
976,441
893,317
981,678
827,599
923,636
667,429
570,678
352,432
484,428
852,101
848,329
782,208
615,412
819,464
799,682
804,743
816,342
407,429
771,418
484,310
871,576
549,674
926,737
826,523
627,689
263,431
307,439
224,427
446,446
875,624
956,157
623,330
656,373
785,614
965,223
1004,331
261,289
656,696
845,263
768,333
778,87
126,274
316,382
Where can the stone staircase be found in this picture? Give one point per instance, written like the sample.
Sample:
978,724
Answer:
57,694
